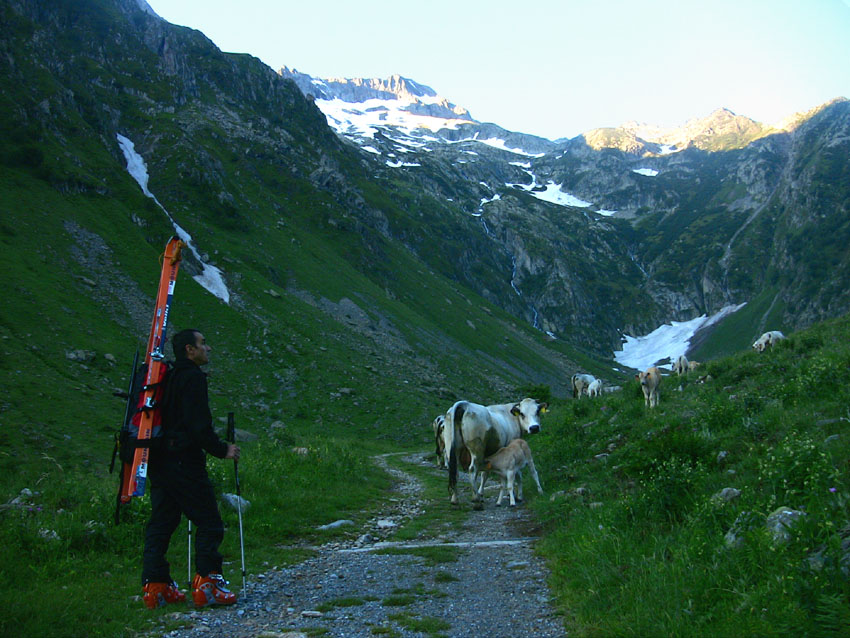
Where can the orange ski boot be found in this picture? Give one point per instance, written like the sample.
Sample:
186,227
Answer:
161,594
211,590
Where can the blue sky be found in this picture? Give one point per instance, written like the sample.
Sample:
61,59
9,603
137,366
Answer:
556,68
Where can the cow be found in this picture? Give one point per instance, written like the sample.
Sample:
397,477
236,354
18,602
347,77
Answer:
680,365
595,388
483,430
508,463
693,365
649,382
438,424
581,383
767,340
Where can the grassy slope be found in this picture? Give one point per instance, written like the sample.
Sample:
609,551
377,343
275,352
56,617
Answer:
636,541
278,362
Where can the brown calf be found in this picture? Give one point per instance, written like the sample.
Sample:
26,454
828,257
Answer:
508,463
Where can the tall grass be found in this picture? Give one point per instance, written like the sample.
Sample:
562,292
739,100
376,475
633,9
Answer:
61,551
636,534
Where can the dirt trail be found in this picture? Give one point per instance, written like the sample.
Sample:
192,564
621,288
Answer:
496,587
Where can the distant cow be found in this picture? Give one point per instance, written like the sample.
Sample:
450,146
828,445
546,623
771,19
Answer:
438,424
580,384
693,365
767,340
681,365
595,388
482,431
508,463
649,382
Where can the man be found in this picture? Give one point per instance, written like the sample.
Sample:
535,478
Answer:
179,483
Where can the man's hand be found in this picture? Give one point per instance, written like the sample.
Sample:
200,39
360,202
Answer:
233,452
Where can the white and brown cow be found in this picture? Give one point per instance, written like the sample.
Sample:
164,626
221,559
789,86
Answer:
767,340
681,365
508,463
438,424
581,382
649,380
483,430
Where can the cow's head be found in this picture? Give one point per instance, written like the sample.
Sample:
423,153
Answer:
528,412
644,376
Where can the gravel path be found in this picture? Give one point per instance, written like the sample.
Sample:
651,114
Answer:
496,587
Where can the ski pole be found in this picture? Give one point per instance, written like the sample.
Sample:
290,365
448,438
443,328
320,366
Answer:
189,559
231,436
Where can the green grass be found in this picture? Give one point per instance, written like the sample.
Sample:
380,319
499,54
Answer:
432,627
432,555
652,557
341,602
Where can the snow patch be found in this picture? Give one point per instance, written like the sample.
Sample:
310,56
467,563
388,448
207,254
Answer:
554,194
669,340
400,164
211,277
649,172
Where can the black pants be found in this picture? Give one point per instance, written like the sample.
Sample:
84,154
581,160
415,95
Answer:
178,488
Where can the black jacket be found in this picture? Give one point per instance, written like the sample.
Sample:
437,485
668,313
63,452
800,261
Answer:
186,417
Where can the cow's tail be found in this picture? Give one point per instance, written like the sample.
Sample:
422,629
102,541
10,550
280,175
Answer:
453,439
575,390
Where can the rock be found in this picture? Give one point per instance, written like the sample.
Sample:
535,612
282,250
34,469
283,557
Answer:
23,498
235,502
726,494
781,521
48,534
336,524
365,539
83,356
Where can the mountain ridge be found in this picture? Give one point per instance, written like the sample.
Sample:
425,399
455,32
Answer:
583,244
702,131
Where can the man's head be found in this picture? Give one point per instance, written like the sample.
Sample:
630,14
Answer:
190,344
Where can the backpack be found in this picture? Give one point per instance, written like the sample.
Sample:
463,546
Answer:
126,439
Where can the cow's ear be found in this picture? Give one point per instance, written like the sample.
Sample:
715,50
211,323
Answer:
515,410
544,407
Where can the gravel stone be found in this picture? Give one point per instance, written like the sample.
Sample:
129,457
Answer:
497,587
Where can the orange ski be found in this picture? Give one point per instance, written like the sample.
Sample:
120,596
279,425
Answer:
147,419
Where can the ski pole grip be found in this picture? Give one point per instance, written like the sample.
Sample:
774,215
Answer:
230,436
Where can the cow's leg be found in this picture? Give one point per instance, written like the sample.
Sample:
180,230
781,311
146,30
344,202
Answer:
484,474
502,486
536,478
511,485
476,452
473,474
518,486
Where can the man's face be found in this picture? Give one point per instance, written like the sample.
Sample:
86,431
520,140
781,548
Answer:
200,352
